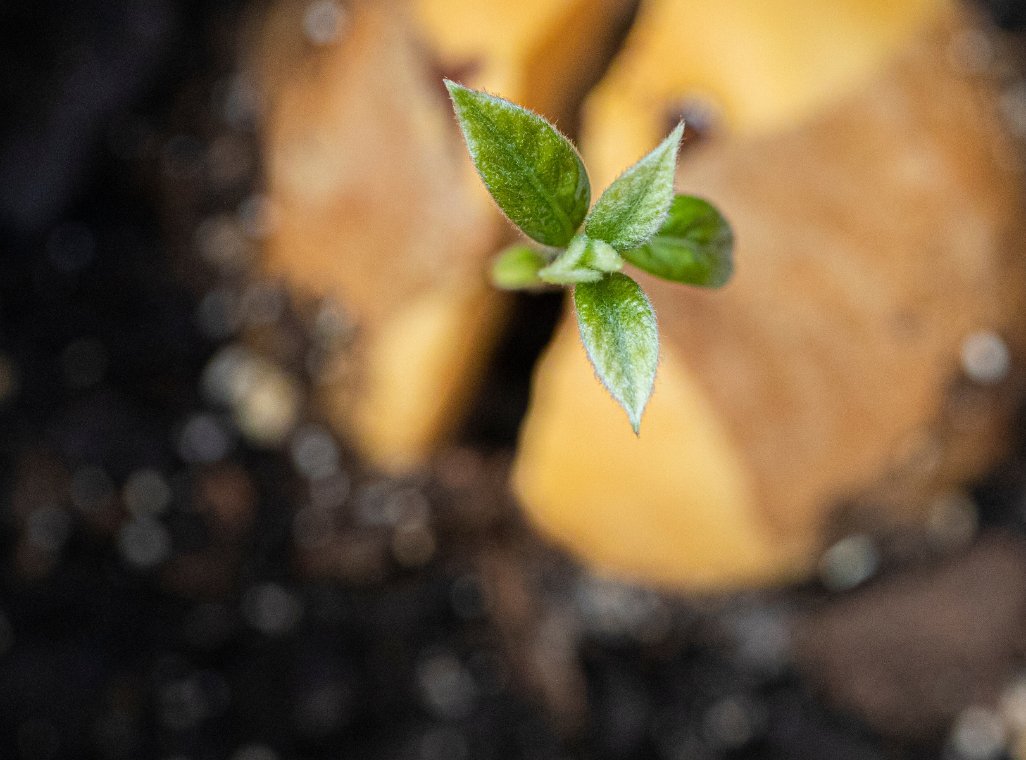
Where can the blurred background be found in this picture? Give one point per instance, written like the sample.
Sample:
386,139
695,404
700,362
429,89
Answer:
284,477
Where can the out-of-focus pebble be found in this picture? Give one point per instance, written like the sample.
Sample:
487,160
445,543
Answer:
447,687
204,439
413,544
258,216
850,562
324,21
144,543
271,609
146,493
1012,706
47,528
986,359
221,243
314,452
978,734
265,400
728,723
611,609
952,520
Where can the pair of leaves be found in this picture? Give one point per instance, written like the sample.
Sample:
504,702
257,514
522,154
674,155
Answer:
693,247
539,181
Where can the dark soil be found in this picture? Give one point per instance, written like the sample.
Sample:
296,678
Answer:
171,589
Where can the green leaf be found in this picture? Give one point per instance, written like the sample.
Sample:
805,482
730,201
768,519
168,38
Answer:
531,170
584,260
517,268
633,208
618,329
694,246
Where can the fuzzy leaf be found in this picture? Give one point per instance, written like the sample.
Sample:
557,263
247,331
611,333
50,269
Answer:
632,209
694,246
584,260
531,170
517,268
618,329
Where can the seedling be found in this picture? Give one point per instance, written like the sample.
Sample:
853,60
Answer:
537,178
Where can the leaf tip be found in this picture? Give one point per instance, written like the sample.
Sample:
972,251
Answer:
635,425
455,90
673,140
635,413
458,93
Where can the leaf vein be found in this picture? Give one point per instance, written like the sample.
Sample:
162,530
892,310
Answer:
497,135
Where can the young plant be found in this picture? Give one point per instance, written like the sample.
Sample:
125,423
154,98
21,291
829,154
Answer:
538,180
